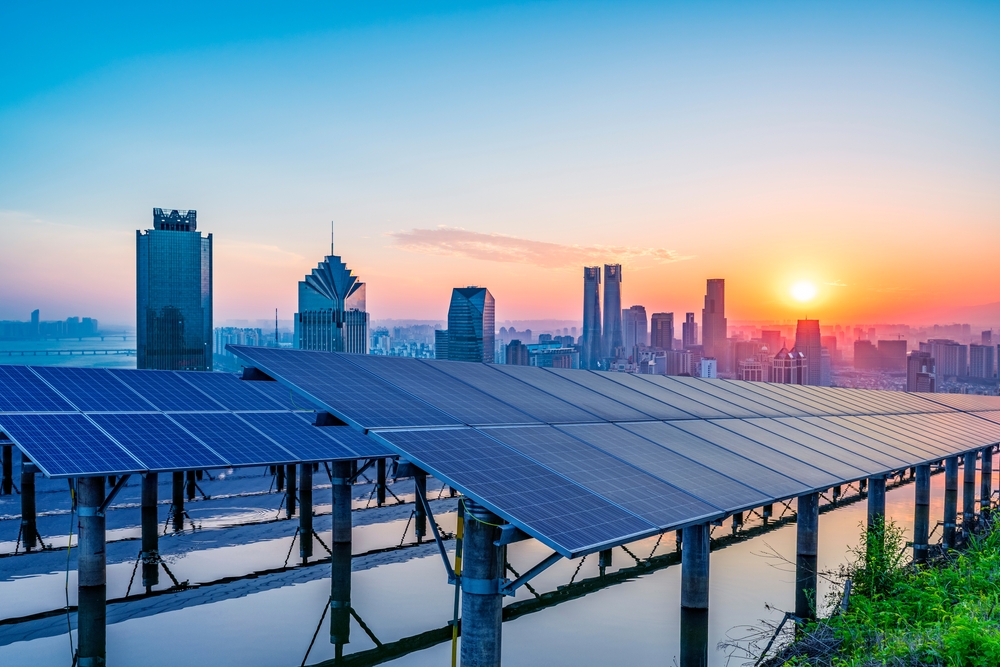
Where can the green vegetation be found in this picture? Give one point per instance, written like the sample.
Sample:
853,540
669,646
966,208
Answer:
946,613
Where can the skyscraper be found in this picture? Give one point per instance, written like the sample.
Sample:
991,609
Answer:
173,294
689,331
920,373
808,342
789,367
635,329
332,309
662,331
613,339
471,325
981,362
592,350
714,327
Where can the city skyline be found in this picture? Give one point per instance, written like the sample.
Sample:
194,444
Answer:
680,158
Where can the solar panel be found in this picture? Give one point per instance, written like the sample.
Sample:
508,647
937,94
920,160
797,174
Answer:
867,435
23,391
965,401
166,390
562,514
601,406
305,442
716,388
628,487
887,428
282,395
799,400
67,445
787,428
337,384
693,478
829,432
366,447
447,394
157,442
543,407
230,391
841,402
660,393
234,439
93,389
727,408
619,392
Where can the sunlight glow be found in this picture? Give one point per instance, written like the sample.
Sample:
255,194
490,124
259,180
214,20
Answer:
804,291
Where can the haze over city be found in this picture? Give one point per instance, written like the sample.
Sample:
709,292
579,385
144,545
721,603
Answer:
847,148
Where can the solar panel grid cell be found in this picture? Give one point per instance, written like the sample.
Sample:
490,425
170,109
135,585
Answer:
891,459
305,442
229,390
157,442
93,389
23,391
841,403
860,428
233,439
166,390
281,395
662,394
800,400
67,445
766,406
640,401
713,402
831,433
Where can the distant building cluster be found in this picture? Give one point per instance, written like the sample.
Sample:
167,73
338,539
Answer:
36,329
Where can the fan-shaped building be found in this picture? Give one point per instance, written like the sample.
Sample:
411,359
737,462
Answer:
332,315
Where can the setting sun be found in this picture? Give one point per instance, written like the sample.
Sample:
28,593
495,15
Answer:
804,291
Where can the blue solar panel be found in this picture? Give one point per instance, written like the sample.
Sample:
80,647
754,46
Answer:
93,389
233,439
366,447
158,442
641,401
166,391
230,391
23,391
339,385
282,395
67,445
305,442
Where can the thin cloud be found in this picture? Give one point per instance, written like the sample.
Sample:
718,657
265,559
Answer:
836,283
457,242
891,290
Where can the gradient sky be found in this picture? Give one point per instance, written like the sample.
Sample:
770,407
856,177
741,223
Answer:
507,145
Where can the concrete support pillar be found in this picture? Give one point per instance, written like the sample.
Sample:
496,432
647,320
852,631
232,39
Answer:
766,512
7,468
191,484
150,533
806,544
836,493
29,525
969,492
694,595
737,521
280,478
340,581
876,500
380,488
950,500
986,481
292,491
921,513
419,515
177,499
91,573
306,511
604,560
482,569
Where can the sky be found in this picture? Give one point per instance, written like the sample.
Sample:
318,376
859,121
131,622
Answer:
851,146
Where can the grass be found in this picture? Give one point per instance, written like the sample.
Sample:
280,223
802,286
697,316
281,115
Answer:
946,613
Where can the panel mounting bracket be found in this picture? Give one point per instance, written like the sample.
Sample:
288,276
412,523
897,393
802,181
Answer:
509,588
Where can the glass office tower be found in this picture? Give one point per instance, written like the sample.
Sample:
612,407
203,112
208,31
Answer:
471,325
332,309
174,294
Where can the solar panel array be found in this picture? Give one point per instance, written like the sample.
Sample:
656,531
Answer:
76,422
585,460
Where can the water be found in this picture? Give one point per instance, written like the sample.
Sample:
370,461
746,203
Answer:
79,352
270,619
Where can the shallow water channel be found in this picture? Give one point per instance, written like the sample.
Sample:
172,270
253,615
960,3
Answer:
246,604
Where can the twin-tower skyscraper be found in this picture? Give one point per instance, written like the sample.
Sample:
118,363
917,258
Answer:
601,343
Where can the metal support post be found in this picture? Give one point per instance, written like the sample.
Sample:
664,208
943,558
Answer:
766,512
191,484
482,568
806,544
921,513
91,573
150,534
419,515
969,492
280,478
7,478
950,500
604,560
986,481
29,525
177,499
836,493
876,501
380,489
694,595
340,558
306,511
292,491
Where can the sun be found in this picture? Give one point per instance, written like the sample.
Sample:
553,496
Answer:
804,291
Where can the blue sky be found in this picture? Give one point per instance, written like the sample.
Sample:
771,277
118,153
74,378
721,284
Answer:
762,142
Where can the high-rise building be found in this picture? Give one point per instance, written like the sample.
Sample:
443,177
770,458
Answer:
173,294
471,325
892,355
920,375
950,358
592,350
807,341
662,331
789,367
751,370
517,354
440,343
678,362
332,314
772,339
612,337
866,356
709,368
981,361
689,331
635,330
987,337
714,327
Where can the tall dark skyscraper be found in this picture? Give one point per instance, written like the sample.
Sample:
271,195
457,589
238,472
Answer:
714,327
173,294
661,332
689,331
471,325
591,317
332,313
809,342
613,337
